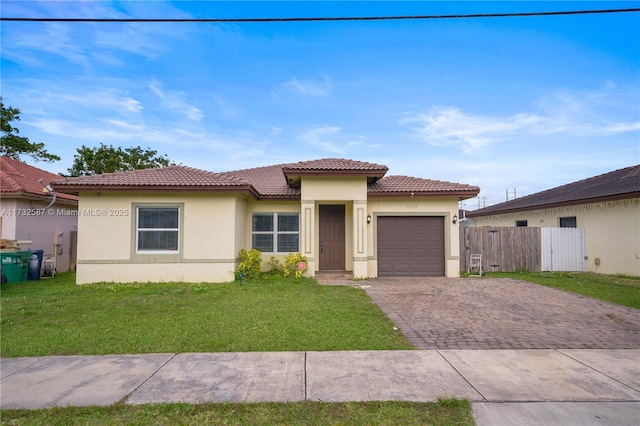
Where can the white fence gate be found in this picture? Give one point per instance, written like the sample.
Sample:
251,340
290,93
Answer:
562,249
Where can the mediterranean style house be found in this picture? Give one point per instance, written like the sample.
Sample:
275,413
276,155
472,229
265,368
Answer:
31,213
607,207
183,224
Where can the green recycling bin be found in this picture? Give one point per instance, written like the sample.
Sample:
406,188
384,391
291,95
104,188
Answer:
14,268
24,266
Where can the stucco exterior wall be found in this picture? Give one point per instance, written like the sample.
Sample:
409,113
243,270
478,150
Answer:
612,232
334,188
443,207
208,237
214,227
349,191
49,231
8,205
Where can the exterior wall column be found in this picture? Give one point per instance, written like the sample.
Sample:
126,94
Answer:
360,255
307,233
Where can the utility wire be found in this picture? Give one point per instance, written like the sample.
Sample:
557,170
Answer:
345,18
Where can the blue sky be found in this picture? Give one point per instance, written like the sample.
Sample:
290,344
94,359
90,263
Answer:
524,103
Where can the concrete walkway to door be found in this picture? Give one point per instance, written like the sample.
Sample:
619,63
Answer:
471,313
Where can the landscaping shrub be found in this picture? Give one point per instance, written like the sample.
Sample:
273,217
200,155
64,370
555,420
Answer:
250,264
296,265
276,269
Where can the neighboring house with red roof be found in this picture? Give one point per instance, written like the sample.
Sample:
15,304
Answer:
607,207
28,215
183,224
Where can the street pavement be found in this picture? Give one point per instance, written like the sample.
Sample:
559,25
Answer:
505,386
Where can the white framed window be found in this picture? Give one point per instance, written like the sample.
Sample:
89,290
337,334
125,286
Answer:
157,229
275,232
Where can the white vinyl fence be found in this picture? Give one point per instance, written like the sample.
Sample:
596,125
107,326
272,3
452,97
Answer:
562,249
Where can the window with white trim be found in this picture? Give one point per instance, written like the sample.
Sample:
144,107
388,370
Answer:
157,229
275,232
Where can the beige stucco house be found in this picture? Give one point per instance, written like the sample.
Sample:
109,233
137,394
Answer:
183,224
30,213
607,207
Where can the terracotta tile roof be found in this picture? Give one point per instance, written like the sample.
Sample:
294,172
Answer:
619,184
337,166
269,181
164,178
20,179
405,185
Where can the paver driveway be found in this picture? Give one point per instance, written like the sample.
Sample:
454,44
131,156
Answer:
450,313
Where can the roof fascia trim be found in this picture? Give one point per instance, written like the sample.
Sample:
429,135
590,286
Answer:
462,194
76,189
629,195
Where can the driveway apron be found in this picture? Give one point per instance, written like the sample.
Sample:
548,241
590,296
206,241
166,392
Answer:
471,313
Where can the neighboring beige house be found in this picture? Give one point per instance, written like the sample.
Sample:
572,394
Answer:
607,207
183,224
28,215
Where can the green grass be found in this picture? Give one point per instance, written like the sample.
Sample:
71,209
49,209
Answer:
621,290
58,317
444,412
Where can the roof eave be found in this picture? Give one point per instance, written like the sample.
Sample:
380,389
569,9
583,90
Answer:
324,172
461,195
616,197
280,197
76,189
40,197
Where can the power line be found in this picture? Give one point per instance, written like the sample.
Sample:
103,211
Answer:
345,18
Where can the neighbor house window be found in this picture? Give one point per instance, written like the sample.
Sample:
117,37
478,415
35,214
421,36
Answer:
521,223
568,222
276,232
157,229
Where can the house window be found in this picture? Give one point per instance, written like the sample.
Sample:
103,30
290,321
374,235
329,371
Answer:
157,229
276,232
568,222
521,223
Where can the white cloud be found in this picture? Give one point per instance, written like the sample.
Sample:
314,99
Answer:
137,39
605,112
54,38
331,139
174,101
450,126
105,98
118,131
312,88
224,108
609,110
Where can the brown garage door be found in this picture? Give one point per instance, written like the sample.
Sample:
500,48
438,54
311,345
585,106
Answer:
410,246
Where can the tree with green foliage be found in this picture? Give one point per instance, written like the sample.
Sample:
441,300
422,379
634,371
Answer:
107,159
13,146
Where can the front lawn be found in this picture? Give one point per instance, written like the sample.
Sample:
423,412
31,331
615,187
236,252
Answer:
57,317
445,412
621,290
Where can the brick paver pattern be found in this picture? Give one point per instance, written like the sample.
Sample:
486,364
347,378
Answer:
456,313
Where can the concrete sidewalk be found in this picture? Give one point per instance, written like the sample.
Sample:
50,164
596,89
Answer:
572,386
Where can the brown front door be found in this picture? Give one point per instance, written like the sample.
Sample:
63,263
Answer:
332,237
